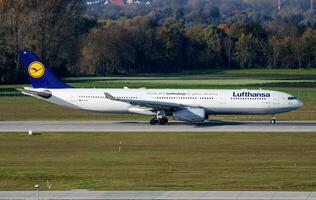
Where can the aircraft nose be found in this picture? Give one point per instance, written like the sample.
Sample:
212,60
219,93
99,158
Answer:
298,104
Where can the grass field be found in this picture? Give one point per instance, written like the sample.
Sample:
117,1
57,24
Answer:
159,161
28,108
174,82
196,79
273,71
182,83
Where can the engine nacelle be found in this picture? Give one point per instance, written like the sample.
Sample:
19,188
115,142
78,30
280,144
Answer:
142,111
190,115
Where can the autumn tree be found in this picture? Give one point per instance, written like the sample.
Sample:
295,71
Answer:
213,38
249,51
173,38
309,39
51,28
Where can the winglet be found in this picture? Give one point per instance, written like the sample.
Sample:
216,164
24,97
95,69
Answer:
108,96
39,75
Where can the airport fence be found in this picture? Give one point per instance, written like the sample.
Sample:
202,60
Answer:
10,92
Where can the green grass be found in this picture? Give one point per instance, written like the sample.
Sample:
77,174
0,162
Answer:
202,81
180,84
273,71
230,78
28,108
159,161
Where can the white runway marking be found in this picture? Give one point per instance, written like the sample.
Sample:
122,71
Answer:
106,126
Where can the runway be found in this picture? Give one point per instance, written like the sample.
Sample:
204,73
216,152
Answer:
112,126
147,195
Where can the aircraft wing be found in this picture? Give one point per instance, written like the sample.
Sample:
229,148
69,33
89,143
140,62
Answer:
157,105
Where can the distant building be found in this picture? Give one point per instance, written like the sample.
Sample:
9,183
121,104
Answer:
95,2
118,2
224,27
145,2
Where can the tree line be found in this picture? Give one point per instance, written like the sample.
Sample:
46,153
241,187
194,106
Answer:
140,45
73,41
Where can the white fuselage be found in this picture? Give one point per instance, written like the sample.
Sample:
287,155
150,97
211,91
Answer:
257,102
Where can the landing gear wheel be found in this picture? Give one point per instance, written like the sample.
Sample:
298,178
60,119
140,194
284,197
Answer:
273,119
153,121
163,121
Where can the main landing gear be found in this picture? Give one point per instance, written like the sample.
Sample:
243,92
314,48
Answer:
273,119
159,119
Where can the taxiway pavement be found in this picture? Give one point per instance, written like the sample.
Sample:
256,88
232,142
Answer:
113,126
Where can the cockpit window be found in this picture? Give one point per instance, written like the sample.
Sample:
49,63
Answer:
291,98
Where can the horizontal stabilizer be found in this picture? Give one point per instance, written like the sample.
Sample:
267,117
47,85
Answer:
46,94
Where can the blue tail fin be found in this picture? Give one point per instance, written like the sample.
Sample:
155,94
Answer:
39,75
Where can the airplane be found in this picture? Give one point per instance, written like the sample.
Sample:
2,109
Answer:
187,105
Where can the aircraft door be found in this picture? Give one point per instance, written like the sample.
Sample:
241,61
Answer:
74,98
275,102
267,103
222,101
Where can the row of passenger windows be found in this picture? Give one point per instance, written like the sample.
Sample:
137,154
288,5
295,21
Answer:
92,97
126,97
248,98
102,97
184,98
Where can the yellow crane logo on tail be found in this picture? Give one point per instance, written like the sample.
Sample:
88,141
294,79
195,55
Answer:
36,69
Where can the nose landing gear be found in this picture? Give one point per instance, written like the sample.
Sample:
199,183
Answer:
273,119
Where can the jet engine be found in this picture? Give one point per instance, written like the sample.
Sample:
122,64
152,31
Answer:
190,114
142,111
